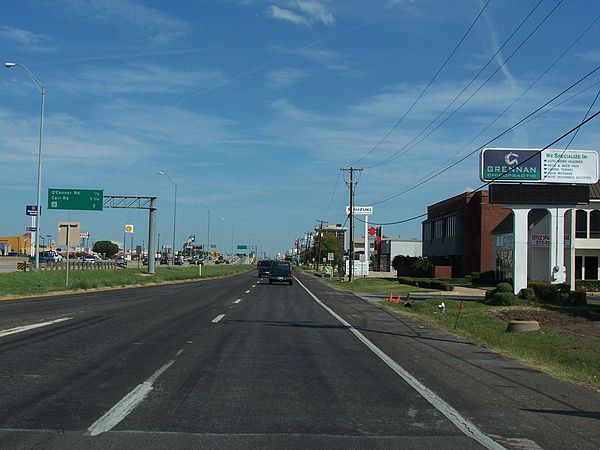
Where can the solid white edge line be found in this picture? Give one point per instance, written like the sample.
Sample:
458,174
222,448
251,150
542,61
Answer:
218,318
32,327
463,424
127,404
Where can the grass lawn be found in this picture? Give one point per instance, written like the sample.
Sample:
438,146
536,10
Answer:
17,284
376,286
575,357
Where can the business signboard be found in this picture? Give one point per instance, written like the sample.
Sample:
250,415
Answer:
31,210
361,210
539,166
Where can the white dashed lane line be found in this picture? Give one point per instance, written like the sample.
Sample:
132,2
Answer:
218,318
31,327
248,291
237,301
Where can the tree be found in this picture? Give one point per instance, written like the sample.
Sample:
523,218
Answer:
106,248
331,244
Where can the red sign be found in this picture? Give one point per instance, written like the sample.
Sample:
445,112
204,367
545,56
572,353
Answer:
372,231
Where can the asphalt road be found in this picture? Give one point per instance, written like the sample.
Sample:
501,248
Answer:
233,363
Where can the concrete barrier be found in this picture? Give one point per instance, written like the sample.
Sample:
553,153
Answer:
519,326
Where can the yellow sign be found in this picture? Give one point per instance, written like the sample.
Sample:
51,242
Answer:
129,229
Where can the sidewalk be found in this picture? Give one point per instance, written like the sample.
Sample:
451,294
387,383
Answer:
459,293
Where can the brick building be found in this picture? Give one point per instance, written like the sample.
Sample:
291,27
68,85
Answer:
458,232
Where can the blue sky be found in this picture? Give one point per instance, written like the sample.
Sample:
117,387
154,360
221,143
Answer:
253,106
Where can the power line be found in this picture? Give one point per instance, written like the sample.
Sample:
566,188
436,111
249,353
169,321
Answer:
408,147
443,170
427,86
498,178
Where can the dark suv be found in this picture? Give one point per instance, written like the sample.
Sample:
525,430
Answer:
281,271
264,268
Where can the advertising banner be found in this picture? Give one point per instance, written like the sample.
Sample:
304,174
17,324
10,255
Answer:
535,166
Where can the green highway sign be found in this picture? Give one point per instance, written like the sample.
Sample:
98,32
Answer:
242,247
77,199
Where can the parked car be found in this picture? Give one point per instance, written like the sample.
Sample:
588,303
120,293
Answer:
280,272
91,259
48,256
179,261
121,262
264,268
164,260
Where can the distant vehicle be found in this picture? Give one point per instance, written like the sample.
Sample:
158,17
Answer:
48,256
178,261
91,259
145,261
264,268
281,272
164,260
121,262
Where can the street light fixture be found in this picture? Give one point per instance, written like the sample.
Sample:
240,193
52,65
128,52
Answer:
42,90
174,212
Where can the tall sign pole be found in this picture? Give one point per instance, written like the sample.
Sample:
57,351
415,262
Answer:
351,217
318,259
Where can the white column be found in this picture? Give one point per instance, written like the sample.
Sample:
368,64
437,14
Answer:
367,247
521,234
557,245
571,276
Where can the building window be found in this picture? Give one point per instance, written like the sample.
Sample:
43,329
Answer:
450,226
595,224
438,229
581,224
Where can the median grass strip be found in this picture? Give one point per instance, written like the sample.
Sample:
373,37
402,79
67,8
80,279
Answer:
20,284
572,356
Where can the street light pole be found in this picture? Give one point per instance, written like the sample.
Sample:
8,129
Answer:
174,213
42,90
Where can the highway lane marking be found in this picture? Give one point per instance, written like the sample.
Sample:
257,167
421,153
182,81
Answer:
253,286
32,327
218,318
248,291
127,404
463,424
237,301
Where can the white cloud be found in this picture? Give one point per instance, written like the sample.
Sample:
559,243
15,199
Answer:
161,28
330,59
138,78
275,12
25,38
302,12
284,78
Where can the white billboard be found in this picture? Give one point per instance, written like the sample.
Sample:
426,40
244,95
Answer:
361,210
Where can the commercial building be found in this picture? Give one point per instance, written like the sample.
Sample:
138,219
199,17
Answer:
580,252
392,247
458,232
16,244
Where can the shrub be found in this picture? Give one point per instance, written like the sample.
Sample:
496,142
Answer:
426,283
563,288
546,292
502,299
475,276
577,298
488,277
588,285
527,294
504,287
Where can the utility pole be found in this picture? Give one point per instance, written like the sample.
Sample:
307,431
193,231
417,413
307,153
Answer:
351,185
321,222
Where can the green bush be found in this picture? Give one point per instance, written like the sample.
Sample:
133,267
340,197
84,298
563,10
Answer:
426,283
577,298
502,299
546,292
475,276
588,285
563,288
504,287
527,294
